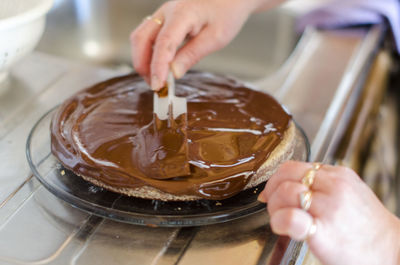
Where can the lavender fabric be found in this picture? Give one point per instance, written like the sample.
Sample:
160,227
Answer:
337,13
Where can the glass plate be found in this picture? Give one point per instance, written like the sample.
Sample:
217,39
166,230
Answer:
67,186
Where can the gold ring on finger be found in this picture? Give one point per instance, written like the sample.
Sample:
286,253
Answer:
305,200
156,20
309,177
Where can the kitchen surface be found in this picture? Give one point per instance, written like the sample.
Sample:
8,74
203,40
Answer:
319,75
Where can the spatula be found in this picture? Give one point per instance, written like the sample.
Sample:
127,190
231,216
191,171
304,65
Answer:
171,125
166,104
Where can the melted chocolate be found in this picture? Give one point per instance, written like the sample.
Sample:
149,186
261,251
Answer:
108,132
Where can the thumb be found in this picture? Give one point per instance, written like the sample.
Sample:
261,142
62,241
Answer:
199,46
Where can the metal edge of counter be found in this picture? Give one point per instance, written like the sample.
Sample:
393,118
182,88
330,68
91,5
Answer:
338,116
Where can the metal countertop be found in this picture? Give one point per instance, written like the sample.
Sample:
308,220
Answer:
318,83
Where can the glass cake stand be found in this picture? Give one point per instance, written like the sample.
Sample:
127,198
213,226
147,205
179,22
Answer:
64,184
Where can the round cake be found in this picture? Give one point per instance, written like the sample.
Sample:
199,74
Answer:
236,137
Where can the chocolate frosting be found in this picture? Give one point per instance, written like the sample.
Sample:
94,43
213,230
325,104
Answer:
109,132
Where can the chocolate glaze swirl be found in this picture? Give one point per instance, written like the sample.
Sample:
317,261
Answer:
107,132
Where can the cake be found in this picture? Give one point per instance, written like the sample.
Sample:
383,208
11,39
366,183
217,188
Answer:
236,137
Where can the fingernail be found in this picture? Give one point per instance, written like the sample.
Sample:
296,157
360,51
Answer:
177,70
155,83
261,198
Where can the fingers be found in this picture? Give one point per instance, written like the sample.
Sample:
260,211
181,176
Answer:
207,25
285,203
339,212
194,50
142,40
295,171
291,222
172,34
287,195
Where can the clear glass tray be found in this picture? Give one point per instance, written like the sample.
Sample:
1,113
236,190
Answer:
81,194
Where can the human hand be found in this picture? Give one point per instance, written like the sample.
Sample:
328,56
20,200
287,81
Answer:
352,226
203,26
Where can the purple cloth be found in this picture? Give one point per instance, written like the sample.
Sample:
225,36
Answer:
337,13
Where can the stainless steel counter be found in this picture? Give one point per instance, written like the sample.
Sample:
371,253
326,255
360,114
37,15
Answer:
318,83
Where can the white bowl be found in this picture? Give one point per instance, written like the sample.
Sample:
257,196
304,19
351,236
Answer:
21,26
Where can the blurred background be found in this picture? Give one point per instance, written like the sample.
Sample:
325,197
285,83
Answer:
97,32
